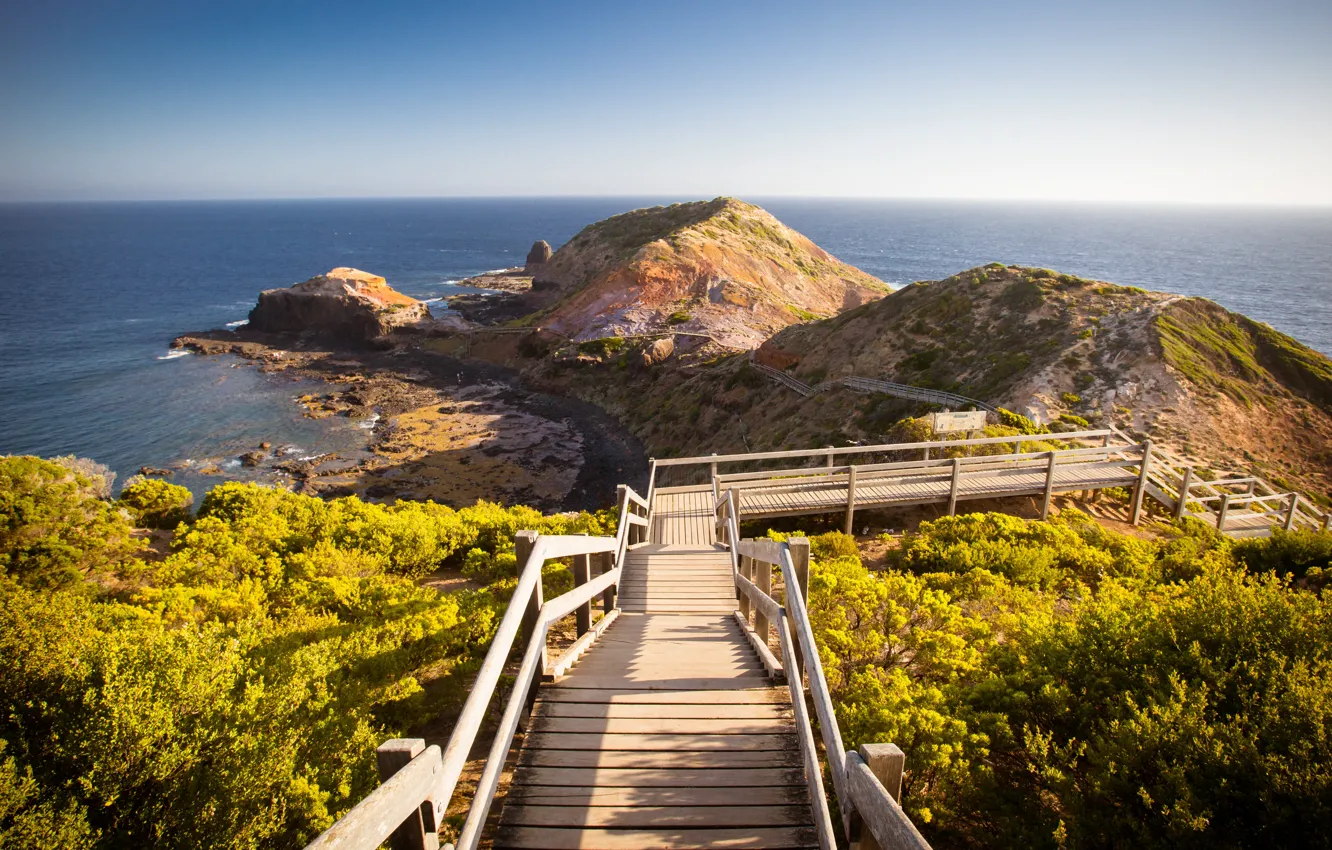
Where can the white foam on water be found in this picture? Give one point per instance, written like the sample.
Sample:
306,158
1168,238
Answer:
369,422
430,300
234,463
238,324
174,353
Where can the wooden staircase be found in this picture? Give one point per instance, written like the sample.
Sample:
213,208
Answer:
669,732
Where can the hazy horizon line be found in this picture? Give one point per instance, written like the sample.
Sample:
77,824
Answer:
1289,205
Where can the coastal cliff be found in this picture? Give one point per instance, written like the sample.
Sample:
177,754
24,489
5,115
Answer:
723,268
347,305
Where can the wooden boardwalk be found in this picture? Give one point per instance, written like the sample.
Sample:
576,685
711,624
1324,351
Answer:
684,515
666,578
668,732
779,498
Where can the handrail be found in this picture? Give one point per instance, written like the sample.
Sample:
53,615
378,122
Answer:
884,447
372,820
856,797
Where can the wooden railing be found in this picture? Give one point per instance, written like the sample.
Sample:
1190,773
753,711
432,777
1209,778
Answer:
419,781
867,783
1235,504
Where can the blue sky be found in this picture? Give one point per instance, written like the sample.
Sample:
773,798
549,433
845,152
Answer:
1214,102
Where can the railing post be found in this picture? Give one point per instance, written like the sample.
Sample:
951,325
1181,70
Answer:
799,548
746,570
1290,512
523,544
1141,489
926,454
1017,447
886,762
1049,486
582,574
1221,513
608,595
418,832
830,457
1183,505
953,487
850,500
764,583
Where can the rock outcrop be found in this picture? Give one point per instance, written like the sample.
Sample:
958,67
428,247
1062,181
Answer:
538,256
346,305
722,268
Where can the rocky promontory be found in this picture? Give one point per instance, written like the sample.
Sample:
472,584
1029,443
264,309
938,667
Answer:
721,268
346,305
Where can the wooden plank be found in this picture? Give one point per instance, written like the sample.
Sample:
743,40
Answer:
671,743
628,767
881,813
554,838
681,710
585,693
634,796
657,817
664,726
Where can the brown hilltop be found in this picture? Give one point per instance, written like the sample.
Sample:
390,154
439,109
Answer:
722,267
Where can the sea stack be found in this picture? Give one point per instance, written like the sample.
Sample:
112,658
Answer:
346,305
538,256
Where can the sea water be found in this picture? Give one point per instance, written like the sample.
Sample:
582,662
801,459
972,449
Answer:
92,294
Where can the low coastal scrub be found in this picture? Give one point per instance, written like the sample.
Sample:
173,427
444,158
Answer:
228,691
1061,685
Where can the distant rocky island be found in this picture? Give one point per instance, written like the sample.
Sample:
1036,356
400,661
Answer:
652,318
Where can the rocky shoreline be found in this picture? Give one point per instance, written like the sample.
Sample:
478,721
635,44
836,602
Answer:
444,429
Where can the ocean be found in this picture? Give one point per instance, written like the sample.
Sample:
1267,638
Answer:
92,294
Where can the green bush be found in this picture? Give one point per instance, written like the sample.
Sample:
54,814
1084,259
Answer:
55,528
1022,424
231,694
679,317
1070,399
1062,685
155,503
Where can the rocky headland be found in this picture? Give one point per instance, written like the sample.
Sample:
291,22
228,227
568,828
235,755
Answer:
654,316
344,305
722,268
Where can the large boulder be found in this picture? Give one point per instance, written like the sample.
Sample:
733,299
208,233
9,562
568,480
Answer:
538,256
347,305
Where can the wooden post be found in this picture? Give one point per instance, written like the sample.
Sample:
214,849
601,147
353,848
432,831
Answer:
952,489
886,762
523,543
830,457
1017,447
799,547
1049,485
1290,513
764,582
712,468
1183,505
850,500
1141,489
926,454
746,570
582,574
608,595
418,831
1106,441
1221,514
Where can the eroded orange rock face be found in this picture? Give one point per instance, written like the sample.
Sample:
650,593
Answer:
345,304
722,268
